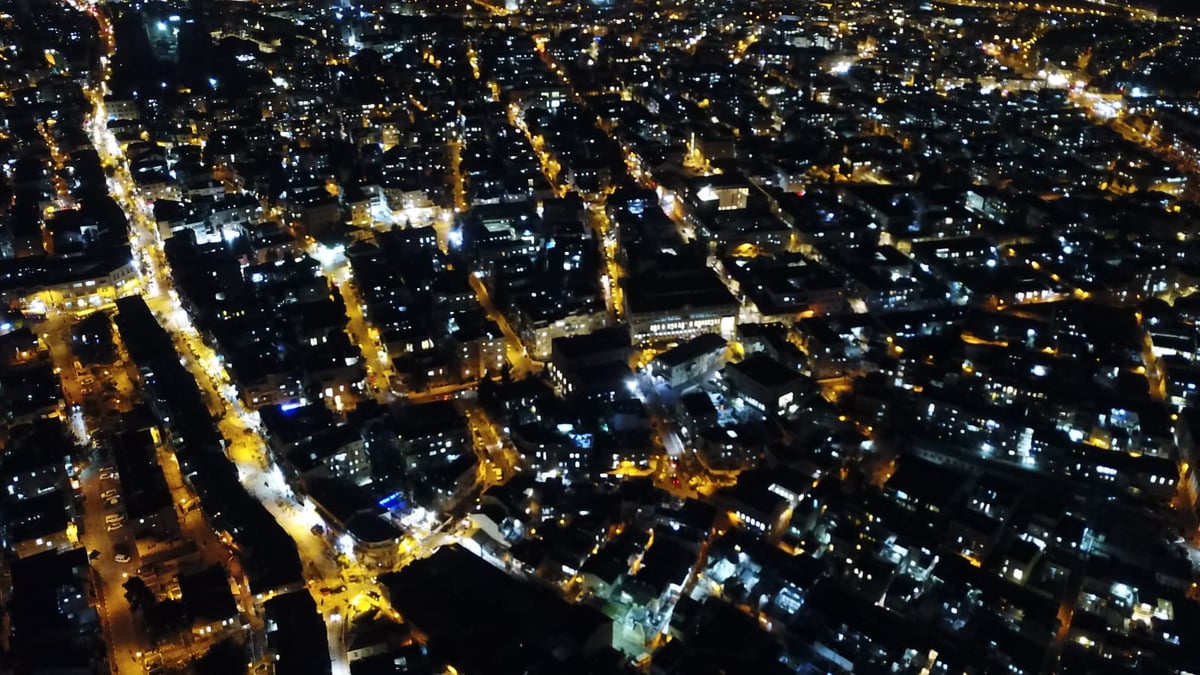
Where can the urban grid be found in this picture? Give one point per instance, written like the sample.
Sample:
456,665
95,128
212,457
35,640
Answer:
599,337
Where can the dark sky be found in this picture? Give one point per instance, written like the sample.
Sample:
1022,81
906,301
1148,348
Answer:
1171,7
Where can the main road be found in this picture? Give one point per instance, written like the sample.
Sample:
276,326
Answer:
341,586
247,447
126,638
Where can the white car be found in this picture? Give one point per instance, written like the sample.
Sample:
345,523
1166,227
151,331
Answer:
109,493
122,558
113,527
113,518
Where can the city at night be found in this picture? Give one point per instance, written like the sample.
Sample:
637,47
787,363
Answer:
599,337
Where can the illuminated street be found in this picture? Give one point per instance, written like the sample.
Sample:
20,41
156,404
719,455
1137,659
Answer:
246,448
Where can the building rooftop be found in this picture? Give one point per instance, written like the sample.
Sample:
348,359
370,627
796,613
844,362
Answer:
207,596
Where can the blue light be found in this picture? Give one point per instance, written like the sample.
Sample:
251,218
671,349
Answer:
393,502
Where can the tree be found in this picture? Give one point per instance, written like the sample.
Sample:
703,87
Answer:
166,618
138,594
227,656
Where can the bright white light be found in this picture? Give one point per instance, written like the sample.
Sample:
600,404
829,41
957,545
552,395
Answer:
326,255
840,67
1107,109
346,546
